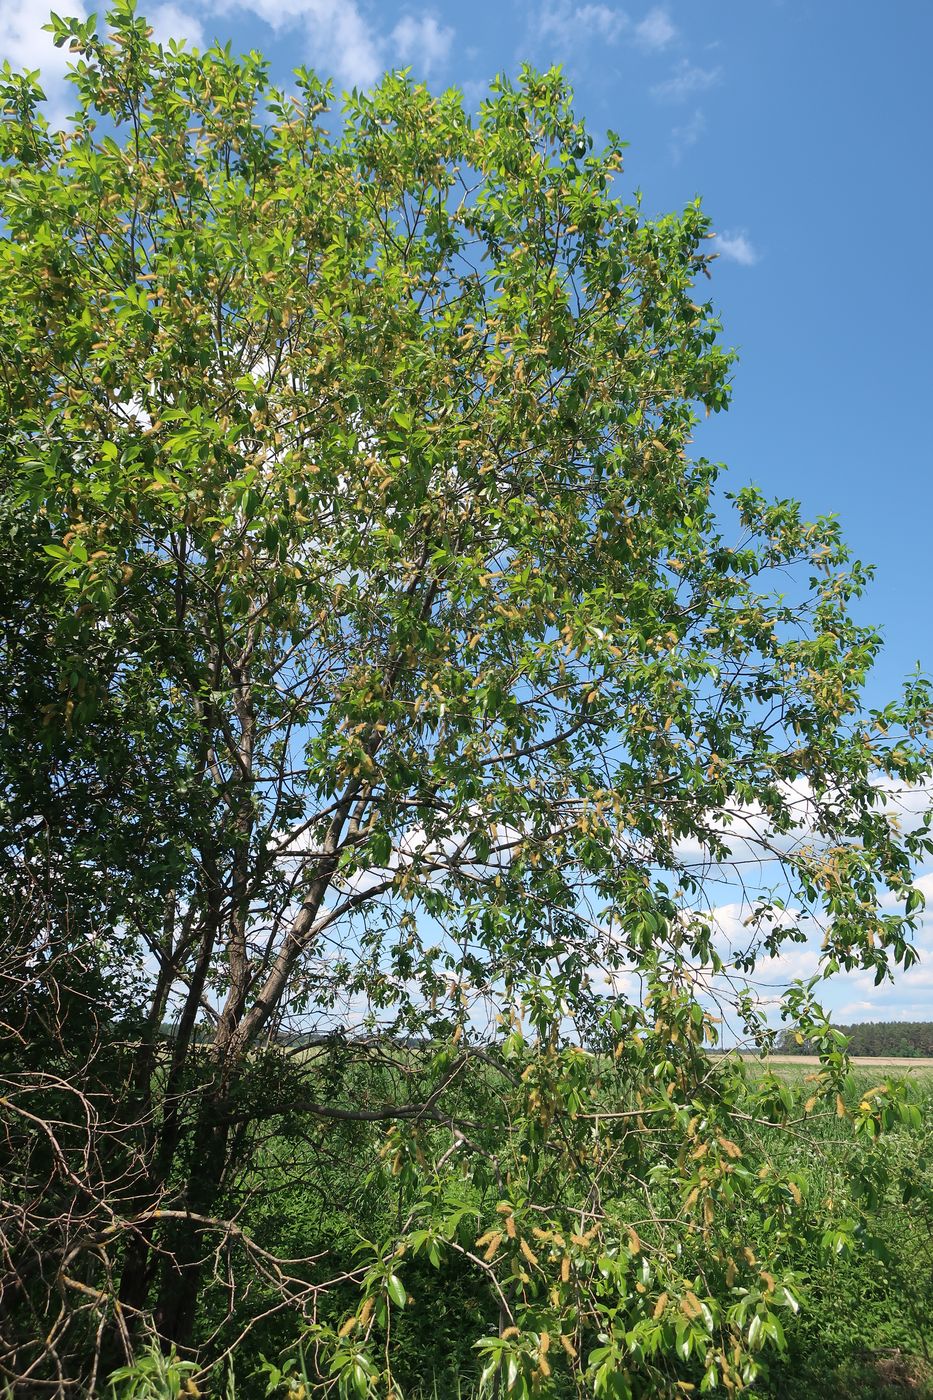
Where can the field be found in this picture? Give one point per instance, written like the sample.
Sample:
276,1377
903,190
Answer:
895,1064
864,1329
886,1064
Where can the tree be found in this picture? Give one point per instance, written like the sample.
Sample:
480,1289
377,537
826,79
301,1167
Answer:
880,1038
395,683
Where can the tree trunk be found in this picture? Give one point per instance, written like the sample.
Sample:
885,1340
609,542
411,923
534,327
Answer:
186,1244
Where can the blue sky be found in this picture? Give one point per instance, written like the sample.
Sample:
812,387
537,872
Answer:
805,125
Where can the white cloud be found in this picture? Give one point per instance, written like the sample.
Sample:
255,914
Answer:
737,248
341,40
747,833
656,30
925,885
172,22
846,996
686,80
683,137
907,805
422,42
475,91
24,44
853,996
345,41
573,25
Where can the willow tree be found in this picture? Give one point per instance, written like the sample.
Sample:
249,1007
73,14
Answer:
386,673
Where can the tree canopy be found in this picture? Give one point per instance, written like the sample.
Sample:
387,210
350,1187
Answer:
882,1039
383,669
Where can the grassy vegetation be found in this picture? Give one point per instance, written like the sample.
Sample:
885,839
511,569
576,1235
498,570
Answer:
864,1329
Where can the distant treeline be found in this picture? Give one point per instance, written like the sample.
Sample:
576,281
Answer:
913,1039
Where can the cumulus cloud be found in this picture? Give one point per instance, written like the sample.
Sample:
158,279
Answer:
172,22
853,996
847,996
907,804
737,247
24,44
422,42
341,40
571,25
656,30
925,885
338,37
686,81
746,833
475,91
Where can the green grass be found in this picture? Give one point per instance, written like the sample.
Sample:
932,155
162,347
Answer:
865,1331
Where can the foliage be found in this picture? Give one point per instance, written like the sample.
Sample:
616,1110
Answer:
398,679
865,1330
152,1376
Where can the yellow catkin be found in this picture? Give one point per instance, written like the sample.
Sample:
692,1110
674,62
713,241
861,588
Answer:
565,1269
730,1148
492,1246
569,1347
528,1252
659,1306
347,1327
544,1343
690,1306
634,1243
510,1226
